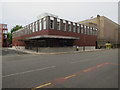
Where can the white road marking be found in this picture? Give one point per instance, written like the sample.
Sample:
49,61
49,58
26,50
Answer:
29,71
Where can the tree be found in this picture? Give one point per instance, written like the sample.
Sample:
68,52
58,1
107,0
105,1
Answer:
9,38
17,27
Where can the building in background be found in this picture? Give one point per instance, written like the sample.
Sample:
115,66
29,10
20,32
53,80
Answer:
51,31
107,30
3,35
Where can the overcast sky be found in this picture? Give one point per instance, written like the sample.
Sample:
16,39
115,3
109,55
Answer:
23,13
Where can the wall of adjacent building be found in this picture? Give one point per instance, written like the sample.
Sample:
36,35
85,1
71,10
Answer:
0,35
107,29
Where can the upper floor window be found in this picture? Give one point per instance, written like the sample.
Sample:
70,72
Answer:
51,22
25,29
4,35
40,25
96,31
58,25
64,25
78,28
44,23
33,28
30,28
5,31
69,27
73,27
5,26
81,28
90,30
36,26
85,30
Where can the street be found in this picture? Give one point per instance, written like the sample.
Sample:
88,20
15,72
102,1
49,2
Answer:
98,69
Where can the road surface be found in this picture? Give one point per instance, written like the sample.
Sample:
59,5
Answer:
98,69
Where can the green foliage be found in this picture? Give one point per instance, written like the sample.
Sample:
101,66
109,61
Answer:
17,27
9,38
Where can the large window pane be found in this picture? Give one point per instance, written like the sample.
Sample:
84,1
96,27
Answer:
44,23
51,24
36,26
69,27
81,28
33,29
40,25
74,28
64,26
58,25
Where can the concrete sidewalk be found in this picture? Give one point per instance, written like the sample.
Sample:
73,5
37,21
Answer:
34,52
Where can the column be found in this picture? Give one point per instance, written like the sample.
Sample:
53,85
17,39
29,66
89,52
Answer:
71,26
66,25
76,27
61,24
48,22
55,23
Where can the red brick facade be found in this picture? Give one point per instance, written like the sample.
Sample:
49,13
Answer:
84,39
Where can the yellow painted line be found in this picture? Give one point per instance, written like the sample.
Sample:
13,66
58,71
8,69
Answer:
42,85
70,76
86,70
99,65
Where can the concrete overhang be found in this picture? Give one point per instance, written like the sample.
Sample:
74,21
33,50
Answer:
49,36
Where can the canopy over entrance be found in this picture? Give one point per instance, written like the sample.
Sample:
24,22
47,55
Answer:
48,41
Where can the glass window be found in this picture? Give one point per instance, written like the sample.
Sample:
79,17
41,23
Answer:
51,24
36,26
78,29
81,28
33,28
4,35
30,28
25,30
40,25
85,29
58,25
74,28
5,31
5,26
69,27
90,30
93,31
64,26
44,23
96,31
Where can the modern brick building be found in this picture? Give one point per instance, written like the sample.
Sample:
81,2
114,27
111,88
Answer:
3,35
107,30
51,31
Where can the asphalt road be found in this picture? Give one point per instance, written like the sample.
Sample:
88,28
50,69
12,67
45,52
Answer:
98,69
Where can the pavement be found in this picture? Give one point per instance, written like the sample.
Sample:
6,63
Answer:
97,69
34,52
